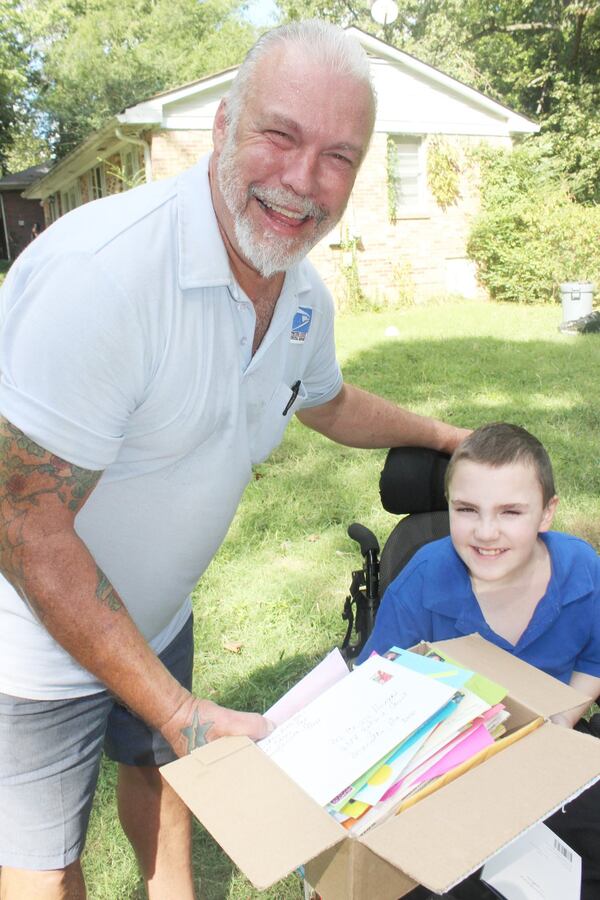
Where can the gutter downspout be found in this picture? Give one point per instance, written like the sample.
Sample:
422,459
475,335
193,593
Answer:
139,143
5,226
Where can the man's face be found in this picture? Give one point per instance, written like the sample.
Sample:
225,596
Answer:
495,517
285,170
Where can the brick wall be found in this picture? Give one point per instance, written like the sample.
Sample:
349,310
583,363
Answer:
173,151
20,216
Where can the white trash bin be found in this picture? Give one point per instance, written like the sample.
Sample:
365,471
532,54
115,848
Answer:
577,298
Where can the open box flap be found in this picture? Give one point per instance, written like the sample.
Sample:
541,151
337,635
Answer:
264,822
544,695
446,836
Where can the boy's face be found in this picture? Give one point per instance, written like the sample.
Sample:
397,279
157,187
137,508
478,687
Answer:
495,517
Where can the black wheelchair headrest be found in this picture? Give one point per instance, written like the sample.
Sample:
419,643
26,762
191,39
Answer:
412,480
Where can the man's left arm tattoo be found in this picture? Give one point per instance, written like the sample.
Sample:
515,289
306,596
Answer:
195,734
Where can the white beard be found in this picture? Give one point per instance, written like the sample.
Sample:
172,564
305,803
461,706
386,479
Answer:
267,252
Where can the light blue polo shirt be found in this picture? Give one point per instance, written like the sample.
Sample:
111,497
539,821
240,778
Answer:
124,348
432,600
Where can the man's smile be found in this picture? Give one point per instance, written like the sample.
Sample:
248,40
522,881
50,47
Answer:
282,211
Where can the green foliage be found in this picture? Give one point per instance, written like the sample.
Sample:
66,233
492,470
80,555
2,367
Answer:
126,179
95,58
572,133
531,234
443,171
27,148
391,164
353,297
404,283
14,77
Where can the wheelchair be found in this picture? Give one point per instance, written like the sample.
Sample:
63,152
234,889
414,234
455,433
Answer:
411,485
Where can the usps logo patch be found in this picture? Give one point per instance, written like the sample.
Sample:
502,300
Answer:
301,324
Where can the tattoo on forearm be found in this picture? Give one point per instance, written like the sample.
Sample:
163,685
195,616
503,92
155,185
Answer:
106,593
29,473
195,734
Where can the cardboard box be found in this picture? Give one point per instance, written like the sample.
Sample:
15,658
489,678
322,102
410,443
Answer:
269,827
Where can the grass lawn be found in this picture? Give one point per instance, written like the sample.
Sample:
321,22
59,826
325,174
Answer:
278,584
4,267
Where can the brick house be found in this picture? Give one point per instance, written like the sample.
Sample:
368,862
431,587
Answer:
404,233
18,215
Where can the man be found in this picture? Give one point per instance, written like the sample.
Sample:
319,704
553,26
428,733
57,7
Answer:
154,347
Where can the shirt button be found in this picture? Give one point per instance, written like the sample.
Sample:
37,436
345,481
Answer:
244,341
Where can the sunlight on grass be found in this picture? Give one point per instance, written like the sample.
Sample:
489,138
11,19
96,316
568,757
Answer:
277,586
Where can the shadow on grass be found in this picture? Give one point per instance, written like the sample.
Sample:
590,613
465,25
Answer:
549,388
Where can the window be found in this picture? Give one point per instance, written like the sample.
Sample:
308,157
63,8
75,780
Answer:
53,207
97,184
408,173
133,172
129,167
70,198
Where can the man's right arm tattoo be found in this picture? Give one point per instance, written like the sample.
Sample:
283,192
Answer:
31,480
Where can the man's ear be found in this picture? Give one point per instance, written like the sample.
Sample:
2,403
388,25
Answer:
548,514
220,126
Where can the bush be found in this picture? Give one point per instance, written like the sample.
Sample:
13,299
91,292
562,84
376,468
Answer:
531,235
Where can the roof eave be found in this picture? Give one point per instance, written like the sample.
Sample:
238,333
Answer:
517,123
75,163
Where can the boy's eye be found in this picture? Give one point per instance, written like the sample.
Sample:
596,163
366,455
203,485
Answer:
464,509
512,512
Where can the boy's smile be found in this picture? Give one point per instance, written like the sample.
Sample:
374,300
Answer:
496,514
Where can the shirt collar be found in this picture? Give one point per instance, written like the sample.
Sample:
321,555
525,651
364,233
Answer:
447,589
203,260
571,580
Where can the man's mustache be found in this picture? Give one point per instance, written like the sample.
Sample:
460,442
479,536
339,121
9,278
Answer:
281,197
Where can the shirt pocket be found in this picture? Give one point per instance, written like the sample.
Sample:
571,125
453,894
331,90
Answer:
267,419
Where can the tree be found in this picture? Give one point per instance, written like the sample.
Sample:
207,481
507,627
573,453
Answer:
542,57
14,76
96,57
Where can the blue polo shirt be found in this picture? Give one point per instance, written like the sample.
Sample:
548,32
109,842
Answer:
432,600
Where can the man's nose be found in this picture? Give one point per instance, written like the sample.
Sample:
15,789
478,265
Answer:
300,173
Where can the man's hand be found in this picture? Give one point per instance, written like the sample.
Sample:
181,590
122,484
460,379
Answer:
198,722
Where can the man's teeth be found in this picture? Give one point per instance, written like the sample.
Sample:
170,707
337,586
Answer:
290,213
484,552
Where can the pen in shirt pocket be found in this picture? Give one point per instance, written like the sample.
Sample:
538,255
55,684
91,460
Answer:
291,401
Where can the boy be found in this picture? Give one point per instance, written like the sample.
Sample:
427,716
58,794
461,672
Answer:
503,573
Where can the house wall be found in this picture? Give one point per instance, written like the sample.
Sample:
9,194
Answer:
173,151
20,215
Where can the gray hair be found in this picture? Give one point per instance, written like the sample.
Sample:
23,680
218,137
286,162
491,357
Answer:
321,41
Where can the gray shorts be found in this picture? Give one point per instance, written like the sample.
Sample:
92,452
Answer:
50,758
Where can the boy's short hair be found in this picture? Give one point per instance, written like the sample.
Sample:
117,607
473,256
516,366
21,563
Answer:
500,444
